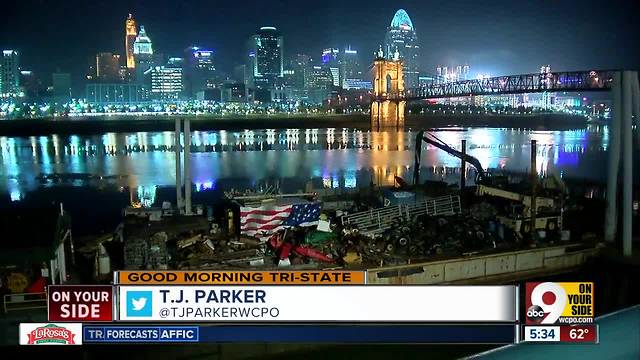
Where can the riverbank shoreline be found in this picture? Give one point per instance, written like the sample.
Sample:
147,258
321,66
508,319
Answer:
123,123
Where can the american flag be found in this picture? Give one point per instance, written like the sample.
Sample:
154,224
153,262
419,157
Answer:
263,221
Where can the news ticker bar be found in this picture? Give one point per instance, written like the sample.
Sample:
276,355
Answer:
78,333
327,303
471,334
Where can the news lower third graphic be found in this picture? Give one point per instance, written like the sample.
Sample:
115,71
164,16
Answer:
549,303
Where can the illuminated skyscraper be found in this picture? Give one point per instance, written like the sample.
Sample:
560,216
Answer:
349,68
320,77
130,37
166,81
301,67
199,70
330,60
143,54
266,58
10,73
401,37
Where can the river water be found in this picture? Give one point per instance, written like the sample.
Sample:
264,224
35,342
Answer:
63,168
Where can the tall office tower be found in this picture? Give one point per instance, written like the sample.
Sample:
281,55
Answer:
130,37
349,67
266,58
199,70
401,38
241,74
10,73
330,60
301,67
108,67
166,81
143,55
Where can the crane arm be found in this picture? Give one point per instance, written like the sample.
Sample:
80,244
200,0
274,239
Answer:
431,139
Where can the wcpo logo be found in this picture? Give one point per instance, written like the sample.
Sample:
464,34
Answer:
50,334
559,303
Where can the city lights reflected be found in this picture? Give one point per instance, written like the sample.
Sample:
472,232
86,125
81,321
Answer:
336,157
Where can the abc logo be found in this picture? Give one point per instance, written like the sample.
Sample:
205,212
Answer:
535,313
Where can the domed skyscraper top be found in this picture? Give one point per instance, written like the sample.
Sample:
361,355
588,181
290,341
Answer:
401,20
401,37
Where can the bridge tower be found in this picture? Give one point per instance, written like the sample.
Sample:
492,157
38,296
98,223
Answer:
388,100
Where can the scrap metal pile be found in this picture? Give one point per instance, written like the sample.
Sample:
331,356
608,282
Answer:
426,229
425,236
204,245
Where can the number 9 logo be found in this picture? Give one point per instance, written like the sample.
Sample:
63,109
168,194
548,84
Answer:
551,298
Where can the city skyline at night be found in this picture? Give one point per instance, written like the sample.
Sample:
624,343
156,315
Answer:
492,38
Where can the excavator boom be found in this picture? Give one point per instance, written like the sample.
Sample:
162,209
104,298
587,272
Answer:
432,140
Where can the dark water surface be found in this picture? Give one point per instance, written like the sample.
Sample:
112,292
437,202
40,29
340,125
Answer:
98,175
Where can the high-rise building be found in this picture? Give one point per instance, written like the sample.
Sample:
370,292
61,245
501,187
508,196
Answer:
143,54
166,81
266,58
61,87
350,72
330,56
199,70
31,86
233,92
301,67
401,38
320,77
241,74
452,73
10,73
108,67
330,60
131,32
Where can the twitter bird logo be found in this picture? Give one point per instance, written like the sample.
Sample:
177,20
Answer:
139,303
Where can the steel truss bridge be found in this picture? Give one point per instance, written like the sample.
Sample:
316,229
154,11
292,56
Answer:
594,80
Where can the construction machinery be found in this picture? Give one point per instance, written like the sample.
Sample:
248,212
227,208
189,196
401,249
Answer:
522,211
481,177
518,217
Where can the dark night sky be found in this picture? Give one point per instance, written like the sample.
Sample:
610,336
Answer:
499,37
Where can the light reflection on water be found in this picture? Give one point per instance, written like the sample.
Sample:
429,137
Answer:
330,157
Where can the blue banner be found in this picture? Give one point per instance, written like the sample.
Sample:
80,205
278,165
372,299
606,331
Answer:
140,334
418,334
